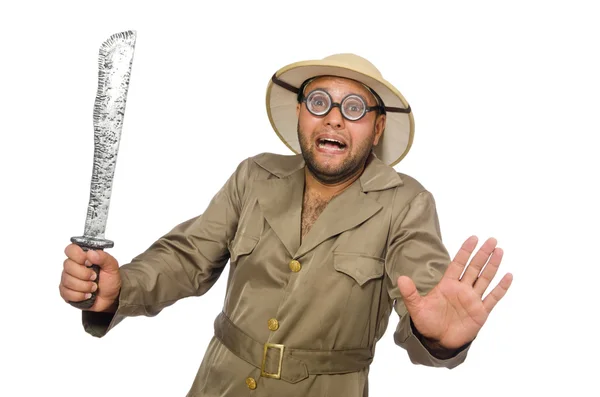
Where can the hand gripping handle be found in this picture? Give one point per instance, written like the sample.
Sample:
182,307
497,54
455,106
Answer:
87,243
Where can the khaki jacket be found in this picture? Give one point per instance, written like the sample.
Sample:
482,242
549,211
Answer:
334,292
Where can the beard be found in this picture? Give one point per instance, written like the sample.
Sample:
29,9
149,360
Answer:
331,175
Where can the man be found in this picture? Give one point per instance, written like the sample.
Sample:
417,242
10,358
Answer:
321,246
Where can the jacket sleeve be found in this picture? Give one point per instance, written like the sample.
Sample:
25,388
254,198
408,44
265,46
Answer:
185,262
415,249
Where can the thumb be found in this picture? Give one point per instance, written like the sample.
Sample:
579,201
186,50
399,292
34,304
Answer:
106,261
409,293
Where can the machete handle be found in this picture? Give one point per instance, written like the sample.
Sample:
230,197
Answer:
87,244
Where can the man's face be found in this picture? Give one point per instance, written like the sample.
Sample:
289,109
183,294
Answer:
331,162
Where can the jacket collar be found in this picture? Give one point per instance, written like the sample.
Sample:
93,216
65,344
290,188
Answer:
376,175
280,200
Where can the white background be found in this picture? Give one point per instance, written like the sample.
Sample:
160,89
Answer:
505,97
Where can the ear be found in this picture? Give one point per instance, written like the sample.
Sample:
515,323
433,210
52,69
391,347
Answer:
379,127
298,110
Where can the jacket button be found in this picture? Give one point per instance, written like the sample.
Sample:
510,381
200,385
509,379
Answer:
295,266
273,324
251,383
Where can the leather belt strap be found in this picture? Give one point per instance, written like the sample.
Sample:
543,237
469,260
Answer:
281,362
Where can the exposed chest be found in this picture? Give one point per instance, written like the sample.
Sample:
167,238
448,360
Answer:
312,206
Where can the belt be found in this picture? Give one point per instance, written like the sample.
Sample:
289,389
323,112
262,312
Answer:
292,365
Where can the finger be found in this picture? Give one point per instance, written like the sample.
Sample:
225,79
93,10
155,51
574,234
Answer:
478,261
73,296
410,295
75,253
489,272
106,261
457,266
498,292
78,271
76,284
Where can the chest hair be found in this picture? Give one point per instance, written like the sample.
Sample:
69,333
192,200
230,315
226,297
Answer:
312,206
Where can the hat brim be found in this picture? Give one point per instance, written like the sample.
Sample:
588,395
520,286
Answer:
281,107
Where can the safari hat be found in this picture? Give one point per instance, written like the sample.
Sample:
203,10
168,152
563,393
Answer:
282,98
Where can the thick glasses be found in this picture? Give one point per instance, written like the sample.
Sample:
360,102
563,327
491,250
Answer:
301,98
353,107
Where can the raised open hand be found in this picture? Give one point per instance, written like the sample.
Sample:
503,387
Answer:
453,312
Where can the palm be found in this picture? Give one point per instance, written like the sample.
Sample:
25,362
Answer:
453,312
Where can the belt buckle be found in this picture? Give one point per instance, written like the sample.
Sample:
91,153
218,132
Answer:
262,368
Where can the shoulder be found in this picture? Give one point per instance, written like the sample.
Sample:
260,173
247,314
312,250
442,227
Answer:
279,165
410,186
266,165
411,193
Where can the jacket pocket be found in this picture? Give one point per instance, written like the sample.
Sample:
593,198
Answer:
360,267
241,245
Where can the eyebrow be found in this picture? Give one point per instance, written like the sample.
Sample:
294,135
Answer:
345,96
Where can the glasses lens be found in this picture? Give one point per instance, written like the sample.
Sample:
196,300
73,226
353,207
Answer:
353,107
318,102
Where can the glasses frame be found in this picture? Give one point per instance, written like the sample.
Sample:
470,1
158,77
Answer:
299,91
366,109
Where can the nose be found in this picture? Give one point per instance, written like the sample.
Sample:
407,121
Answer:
334,118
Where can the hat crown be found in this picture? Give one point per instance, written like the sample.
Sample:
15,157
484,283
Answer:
353,61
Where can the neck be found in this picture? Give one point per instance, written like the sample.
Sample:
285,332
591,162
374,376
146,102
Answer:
327,190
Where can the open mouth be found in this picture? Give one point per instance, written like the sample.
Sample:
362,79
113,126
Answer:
332,144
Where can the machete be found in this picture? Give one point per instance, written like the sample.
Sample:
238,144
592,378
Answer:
114,69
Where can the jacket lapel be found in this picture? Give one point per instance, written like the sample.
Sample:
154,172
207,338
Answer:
280,201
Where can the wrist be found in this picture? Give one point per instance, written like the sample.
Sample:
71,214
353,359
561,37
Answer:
114,305
113,308
434,347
